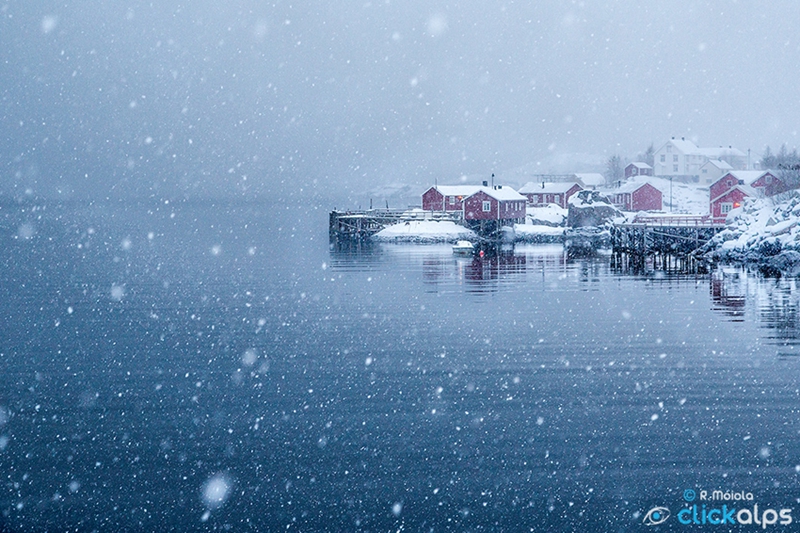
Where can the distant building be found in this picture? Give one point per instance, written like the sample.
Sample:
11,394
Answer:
679,157
636,197
712,170
499,203
637,168
542,194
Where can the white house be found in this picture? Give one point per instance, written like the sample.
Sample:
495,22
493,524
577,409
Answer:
679,157
712,170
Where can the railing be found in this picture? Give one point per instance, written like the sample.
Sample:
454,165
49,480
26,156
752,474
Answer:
677,221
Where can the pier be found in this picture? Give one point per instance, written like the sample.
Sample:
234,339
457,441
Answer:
673,235
362,224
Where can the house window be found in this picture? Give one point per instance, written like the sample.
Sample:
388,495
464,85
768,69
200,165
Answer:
674,168
487,206
725,208
669,148
663,158
768,179
674,158
557,199
536,198
452,200
705,171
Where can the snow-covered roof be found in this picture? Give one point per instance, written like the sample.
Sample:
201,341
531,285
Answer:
502,193
547,188
591,178
716,153
747,176
457,190
639,164
748,190
628,187
721,165
689,148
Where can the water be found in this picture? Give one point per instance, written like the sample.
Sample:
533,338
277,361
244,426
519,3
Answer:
182,367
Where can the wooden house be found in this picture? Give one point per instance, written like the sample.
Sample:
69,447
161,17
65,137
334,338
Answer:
501,204
636,197
447,197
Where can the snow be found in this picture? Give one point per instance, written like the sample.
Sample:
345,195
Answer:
216,491
527,232
550,215
761,231
425,231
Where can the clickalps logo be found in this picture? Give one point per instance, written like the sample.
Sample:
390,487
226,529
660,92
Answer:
702,508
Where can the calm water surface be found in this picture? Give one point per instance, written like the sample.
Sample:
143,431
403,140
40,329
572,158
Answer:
184,367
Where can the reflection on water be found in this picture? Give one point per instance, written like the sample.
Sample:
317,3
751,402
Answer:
773,301
736,294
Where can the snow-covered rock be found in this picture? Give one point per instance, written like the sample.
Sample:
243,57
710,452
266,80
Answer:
590,208
549,215
761,231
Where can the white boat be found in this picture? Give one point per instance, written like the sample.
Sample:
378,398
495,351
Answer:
463,248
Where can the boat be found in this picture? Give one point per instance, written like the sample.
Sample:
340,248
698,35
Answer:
463,248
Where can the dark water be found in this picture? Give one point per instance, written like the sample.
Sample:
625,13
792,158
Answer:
219,367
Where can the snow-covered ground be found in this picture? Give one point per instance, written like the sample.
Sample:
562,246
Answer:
686,198
549,215
538,233
425,231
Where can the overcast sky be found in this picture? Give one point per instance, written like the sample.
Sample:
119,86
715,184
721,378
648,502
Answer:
168,98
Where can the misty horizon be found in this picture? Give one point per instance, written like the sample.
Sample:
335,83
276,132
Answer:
250,99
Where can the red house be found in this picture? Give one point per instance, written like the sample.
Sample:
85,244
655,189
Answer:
637,168
502,204
732,188
447,197
636,197
769,184
542,194
727,201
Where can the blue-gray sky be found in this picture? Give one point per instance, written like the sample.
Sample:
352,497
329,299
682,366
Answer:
170,98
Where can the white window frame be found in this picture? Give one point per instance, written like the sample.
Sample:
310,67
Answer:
487,206
725,208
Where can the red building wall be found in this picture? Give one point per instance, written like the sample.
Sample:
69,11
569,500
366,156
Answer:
499,210
473,207
725,183
432,200
544,198
735,197
770,184
646,198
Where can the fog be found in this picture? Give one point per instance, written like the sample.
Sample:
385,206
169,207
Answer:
163,99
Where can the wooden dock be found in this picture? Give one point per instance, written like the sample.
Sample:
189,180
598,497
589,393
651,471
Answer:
674,235
362,224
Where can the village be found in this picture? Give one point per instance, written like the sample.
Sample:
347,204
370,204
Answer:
686,186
